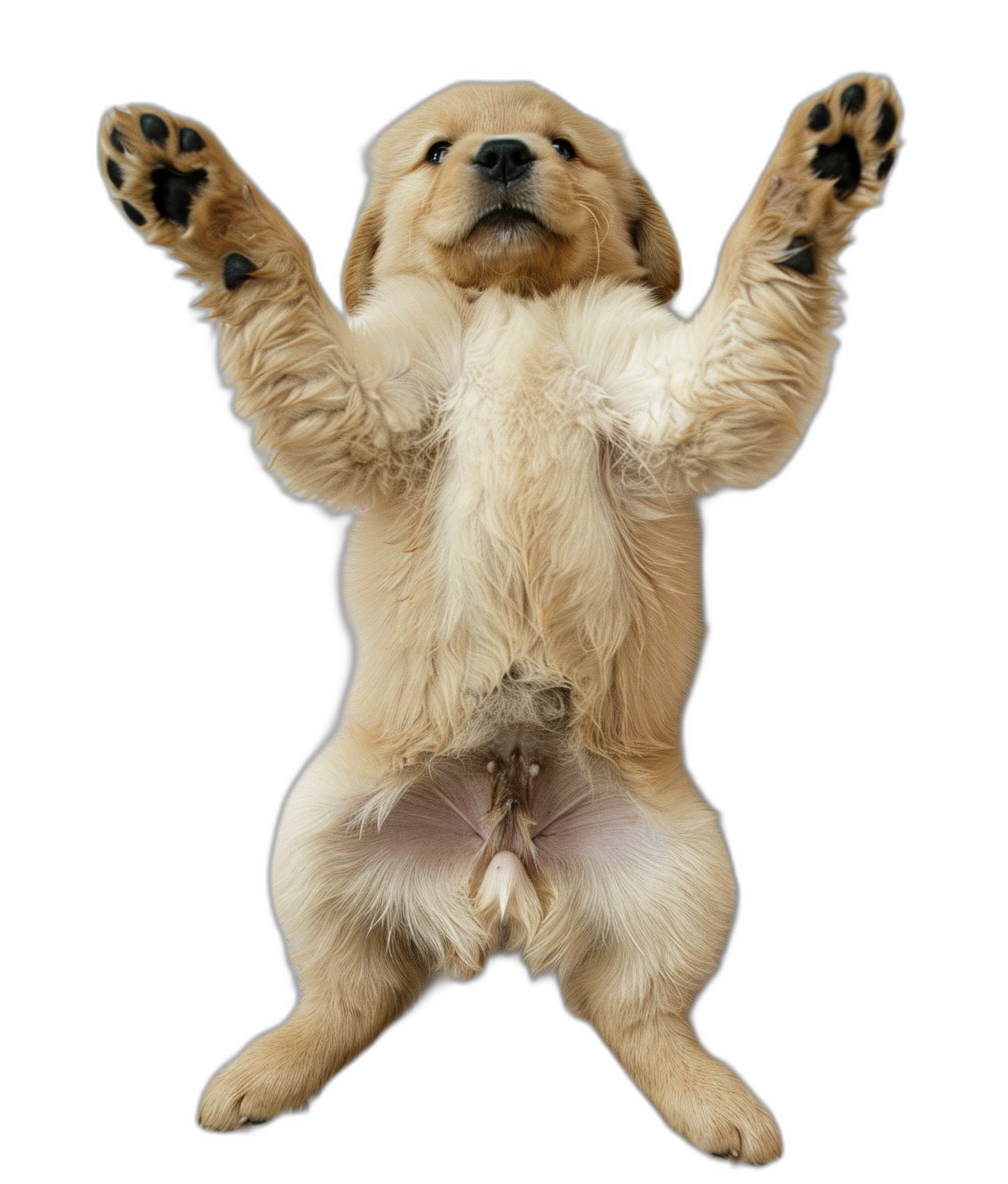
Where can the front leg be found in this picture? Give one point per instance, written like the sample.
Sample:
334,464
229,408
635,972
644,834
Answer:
757,354
333,415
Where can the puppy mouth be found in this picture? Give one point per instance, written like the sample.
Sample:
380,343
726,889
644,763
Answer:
506,218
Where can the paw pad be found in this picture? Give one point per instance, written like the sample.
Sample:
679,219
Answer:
154,129
866,121
236,270
157,170
841,161
144,171
819,118
174,192
886,124
846,136
800,256
189,140
853,99
115,173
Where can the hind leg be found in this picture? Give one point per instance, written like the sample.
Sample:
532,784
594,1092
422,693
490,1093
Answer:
359,986
356,974
649,934
697,1095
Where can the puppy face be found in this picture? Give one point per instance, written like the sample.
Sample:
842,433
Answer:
505,185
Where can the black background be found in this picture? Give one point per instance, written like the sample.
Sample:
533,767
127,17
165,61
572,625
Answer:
212,612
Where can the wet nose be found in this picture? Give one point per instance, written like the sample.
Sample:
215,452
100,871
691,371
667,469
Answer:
504,160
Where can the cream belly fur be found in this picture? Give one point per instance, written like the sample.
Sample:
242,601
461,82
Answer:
523,428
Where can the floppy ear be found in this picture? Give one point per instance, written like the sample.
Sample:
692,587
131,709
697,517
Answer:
655,243
357,272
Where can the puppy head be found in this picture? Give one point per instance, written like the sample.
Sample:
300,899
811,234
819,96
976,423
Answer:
506,186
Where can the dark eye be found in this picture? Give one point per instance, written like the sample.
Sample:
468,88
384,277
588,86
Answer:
565,149
436,152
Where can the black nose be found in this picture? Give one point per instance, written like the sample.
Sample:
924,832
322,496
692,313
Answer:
503,160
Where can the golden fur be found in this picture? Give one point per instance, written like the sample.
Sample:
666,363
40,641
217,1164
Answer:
523,428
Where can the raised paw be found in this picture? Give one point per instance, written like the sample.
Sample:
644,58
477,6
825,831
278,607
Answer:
174,181
832,163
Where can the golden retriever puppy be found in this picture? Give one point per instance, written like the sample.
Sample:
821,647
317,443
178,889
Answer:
523,428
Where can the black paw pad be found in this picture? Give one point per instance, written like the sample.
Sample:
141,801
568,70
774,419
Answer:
236,270
189,140
886,124
841,161
154,129
885,164
174,192
799,256
115,173
116,139
853,98
133,214
819,118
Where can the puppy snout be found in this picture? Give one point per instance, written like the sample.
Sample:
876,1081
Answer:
504,160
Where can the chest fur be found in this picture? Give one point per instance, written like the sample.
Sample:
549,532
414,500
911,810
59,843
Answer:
525,520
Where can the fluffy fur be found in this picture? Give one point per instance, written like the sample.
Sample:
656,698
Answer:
523,428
